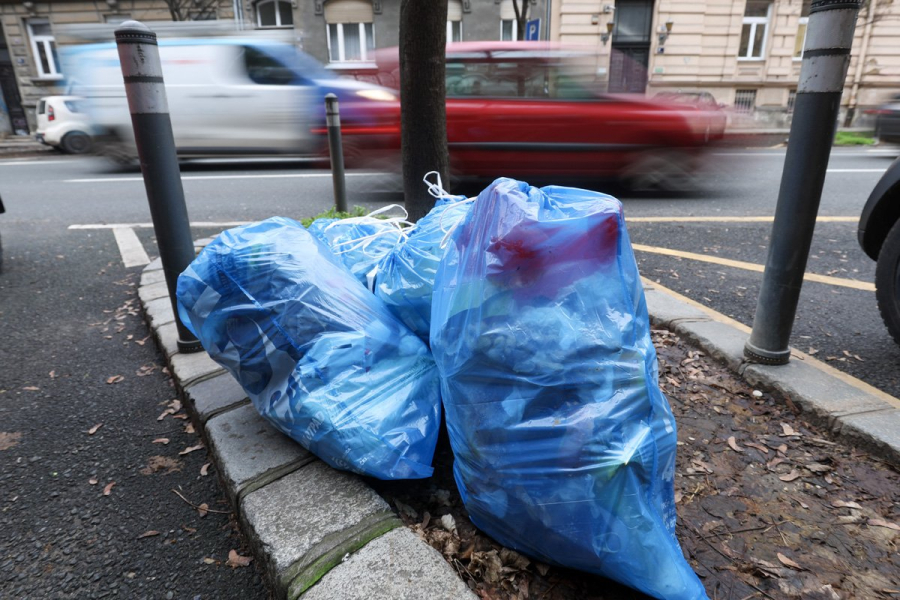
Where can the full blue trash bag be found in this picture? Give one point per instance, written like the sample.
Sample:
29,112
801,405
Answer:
360,242
404,279
320,356
564,443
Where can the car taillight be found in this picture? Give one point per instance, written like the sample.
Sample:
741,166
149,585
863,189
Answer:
877,111
50,116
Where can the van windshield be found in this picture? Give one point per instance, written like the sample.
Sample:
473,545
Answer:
303,64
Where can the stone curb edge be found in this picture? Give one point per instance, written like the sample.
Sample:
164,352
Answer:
319,534
851,409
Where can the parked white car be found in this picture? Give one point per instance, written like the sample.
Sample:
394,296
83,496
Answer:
63,123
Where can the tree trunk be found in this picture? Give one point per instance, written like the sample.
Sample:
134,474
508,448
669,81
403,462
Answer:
521,17
423,109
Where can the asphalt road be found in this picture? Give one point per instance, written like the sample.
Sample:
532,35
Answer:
70,324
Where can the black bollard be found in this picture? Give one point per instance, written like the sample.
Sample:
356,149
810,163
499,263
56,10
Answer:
336,150
146,93
826,58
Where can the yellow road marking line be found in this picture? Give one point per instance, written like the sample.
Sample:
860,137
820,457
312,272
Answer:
813,362
739,264
821,219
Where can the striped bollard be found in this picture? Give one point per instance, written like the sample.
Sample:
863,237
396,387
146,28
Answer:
146,93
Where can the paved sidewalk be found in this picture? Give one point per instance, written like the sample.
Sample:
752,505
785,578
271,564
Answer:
21,145
322,534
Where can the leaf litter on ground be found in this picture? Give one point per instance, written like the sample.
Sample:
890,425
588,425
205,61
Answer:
753,524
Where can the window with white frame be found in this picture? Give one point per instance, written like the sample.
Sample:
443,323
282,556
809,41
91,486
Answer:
43,46
454,21
800,40
755,30
350,42
274,13
351,36
509,29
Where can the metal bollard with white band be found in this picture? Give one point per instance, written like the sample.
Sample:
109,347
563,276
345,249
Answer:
826,57
336,150
146,93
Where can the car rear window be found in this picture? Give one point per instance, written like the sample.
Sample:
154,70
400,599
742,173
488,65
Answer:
73,106
42,107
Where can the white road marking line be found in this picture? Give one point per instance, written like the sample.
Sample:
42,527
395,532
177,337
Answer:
207,177
856,170
149,225
13,163
130,247
821,219
739,264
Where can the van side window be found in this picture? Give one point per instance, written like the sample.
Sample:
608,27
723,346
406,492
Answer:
266,70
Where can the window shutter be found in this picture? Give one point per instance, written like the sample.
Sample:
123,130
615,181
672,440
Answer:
348,11
454,10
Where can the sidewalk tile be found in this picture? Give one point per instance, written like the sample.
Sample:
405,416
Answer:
250,452
214,395
396,566
306,522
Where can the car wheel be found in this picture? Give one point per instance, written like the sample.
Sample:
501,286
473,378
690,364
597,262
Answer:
76,142
887,282
660,172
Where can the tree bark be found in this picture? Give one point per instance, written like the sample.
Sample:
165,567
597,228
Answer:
423,109
521,17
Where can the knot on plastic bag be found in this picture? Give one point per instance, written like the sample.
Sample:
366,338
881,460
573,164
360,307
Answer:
396,225
437,190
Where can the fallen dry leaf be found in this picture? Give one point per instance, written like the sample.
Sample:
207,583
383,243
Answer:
794,474
209,561
189,428
204,470
733,445
190,449
108,488
162,441
203,510
52,374
147,534
883,523
168,411
8,440
189,529
235,560
31,388
94,429
158,463
93,481
115,379
759,447
787,429
788,562
842,504
818,468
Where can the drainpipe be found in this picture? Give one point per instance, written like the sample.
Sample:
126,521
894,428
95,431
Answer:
547,19
860,64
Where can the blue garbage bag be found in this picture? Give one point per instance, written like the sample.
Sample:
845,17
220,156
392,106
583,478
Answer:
404,278
319,355
360,242
564,443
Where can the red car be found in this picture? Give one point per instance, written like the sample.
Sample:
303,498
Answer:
531,109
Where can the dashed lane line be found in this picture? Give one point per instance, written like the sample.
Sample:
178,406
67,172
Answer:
746,266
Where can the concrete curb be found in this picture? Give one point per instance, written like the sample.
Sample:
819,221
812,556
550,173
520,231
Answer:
851,409
321,534
318,533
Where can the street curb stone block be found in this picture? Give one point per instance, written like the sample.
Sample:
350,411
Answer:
665,309
167,338
151,277
159,312
251,453
306,522
396,566
189,368
822,399
721,341
877,431
155,265
215,395
153,291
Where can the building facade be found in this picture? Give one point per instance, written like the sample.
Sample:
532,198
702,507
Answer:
746,53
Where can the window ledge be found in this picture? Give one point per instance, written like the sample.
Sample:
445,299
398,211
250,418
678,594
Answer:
747,59
352,65
46,80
